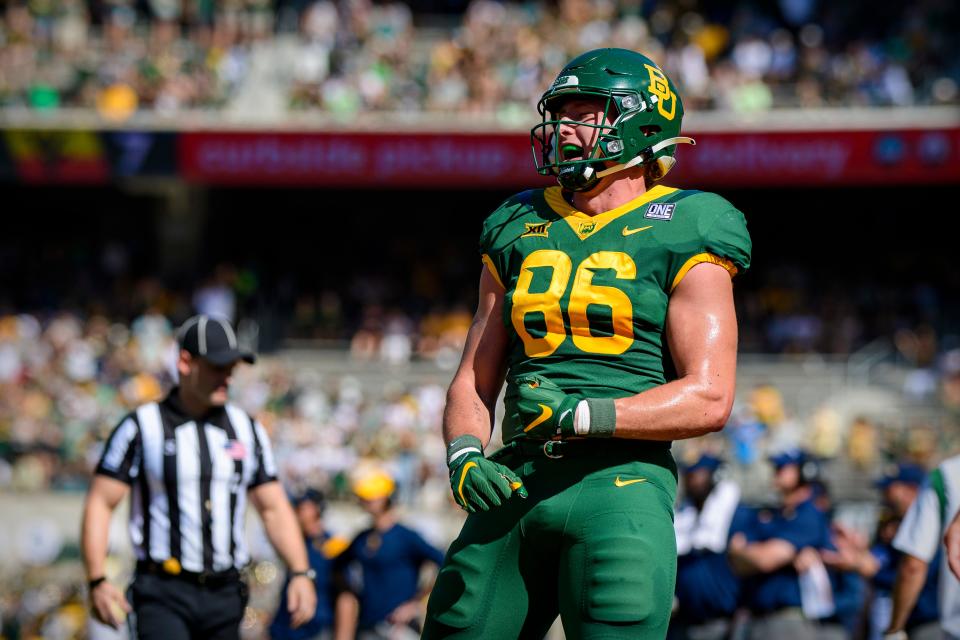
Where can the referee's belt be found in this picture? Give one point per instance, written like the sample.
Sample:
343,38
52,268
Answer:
575,447
205,578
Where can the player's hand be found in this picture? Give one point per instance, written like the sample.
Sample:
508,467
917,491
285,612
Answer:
479,484
301,601
542,408
406,612
109,605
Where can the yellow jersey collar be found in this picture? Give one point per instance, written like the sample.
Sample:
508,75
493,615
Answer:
585,225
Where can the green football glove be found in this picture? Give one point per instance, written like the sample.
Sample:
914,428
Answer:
543,409
479,484
546,411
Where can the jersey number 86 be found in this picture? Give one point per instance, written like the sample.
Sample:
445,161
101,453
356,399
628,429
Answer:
583,294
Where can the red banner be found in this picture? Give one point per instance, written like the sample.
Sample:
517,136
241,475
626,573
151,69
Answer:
358,159
419,160
822,158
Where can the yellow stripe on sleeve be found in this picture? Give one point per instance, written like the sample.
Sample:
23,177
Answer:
697,259
493,269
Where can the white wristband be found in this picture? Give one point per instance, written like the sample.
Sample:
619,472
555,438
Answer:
461,453
582,419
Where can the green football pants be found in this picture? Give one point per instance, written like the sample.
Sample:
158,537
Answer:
594,542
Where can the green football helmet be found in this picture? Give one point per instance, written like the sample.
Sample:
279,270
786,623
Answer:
642,104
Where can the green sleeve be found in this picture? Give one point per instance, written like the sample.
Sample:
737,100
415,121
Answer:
490,254
499,233
721,237
728,238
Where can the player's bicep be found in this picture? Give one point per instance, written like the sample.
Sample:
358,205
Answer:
482,363
701,330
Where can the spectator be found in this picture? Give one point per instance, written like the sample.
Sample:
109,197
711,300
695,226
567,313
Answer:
381,567
778,550
322,549
879,562
708,591
918,539
359,56
846,584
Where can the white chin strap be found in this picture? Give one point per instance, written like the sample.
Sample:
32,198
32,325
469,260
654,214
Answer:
663,144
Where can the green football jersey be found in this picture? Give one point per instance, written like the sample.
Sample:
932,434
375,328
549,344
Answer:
585,299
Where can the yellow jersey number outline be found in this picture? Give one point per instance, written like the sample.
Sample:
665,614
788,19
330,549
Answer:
583,294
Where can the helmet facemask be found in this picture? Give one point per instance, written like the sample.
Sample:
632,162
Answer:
580,173
642,116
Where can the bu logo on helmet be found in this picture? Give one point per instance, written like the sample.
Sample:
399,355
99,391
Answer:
660,87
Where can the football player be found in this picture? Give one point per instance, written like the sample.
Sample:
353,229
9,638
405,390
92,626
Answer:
606,303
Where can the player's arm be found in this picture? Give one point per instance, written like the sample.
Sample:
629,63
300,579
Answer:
701,330
477,483
105,493
911,576
283,530
472,396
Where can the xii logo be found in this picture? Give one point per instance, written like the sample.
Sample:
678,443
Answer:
536,229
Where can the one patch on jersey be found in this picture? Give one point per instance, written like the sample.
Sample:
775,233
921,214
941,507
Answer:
587,228
536,229
660,210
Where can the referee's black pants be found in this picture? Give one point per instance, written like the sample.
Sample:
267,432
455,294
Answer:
171,608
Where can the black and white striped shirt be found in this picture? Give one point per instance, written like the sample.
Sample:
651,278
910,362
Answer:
189,480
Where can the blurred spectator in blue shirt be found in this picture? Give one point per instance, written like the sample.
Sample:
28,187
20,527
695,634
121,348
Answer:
848,586
779,550
707,589
322,549
381,567
878,562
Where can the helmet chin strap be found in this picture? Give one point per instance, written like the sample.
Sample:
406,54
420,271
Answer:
663,144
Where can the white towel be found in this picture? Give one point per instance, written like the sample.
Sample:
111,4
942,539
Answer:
707,530
816,595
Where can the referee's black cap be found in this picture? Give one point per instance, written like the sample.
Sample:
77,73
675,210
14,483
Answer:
212,339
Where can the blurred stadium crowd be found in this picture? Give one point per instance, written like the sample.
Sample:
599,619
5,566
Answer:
262,58
65,380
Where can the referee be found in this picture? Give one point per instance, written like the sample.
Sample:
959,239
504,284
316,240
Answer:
189,464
